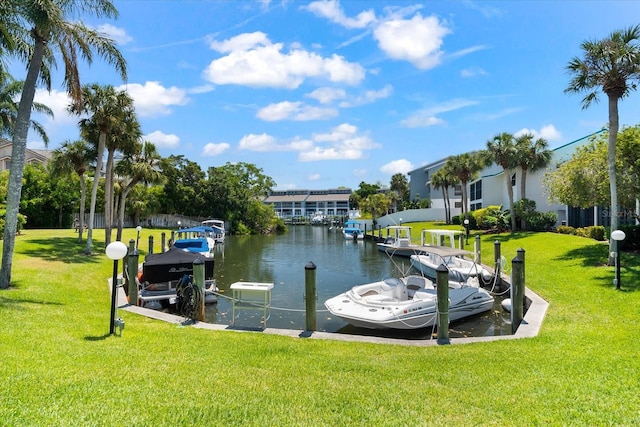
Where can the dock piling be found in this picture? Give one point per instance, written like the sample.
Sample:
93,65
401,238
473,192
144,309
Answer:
442,285
310,296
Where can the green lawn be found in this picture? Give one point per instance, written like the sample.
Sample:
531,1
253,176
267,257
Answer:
59,367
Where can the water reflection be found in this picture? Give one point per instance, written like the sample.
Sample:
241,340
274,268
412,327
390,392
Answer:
340,265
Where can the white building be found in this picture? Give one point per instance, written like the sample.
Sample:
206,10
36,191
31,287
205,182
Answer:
490,189
308,203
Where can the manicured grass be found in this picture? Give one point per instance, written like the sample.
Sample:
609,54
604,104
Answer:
58,365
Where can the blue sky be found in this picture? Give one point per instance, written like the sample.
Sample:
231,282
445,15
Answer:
332,93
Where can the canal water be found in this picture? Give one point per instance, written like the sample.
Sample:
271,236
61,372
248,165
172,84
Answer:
340,265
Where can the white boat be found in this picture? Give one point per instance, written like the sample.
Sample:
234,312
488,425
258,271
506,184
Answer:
460,268
197,240
398,242
406,303
352,230
439,237
219,229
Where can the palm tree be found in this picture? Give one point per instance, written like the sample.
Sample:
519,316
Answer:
612,65
532,156
10,89
465,167
502,151
123,135
144,167
53,27
101,102
443,179
74,157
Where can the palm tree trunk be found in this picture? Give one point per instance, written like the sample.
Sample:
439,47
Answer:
83,197
512,213
611,161
94,190
16,171
108,198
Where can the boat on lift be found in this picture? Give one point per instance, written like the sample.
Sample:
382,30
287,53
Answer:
398,242
198,240
352,230
219,228
460,268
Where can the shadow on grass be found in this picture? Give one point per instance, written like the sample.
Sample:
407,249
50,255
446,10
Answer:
9,302
597,255
510,236
64,249
98,338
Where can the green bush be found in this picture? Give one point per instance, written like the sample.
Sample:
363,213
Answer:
491,217
22,220
566,229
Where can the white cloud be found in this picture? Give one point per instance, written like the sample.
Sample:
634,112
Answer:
548,132
417,40
252,60
344,142
265,143
314,177
296,111
472,72
331,10
402,166
212,149
368,97
162,140
119,35
152,99
428,116
326,95
57,101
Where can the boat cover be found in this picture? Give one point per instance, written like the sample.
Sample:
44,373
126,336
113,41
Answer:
172,265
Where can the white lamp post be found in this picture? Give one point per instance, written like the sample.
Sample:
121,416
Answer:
115,251
466,227
618,236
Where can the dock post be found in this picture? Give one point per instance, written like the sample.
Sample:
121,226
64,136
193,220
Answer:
132,270
163,240
442,285
198,281
517,290
310,295
461,241
496,257
476,249
150,244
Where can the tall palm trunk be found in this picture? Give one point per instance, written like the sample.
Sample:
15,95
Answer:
611,161
512,212
94,190
83,199
16,171
108,198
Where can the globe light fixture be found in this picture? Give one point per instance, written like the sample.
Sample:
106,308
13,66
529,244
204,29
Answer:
115,251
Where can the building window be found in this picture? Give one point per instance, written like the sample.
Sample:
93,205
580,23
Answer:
475,191
457,190
513,180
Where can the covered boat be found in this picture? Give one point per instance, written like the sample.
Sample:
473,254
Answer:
219,229
352,230
427,260
406,303
198,240
398,242
161,273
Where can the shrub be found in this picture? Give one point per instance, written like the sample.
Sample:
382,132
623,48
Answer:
566,229
491,217
542,221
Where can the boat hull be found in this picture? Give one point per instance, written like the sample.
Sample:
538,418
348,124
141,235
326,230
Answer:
392,305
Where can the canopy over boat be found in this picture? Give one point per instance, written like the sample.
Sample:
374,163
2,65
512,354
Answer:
172,265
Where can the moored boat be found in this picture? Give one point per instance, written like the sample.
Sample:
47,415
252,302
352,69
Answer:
406,303
398,242
352,230
460,268
219,229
